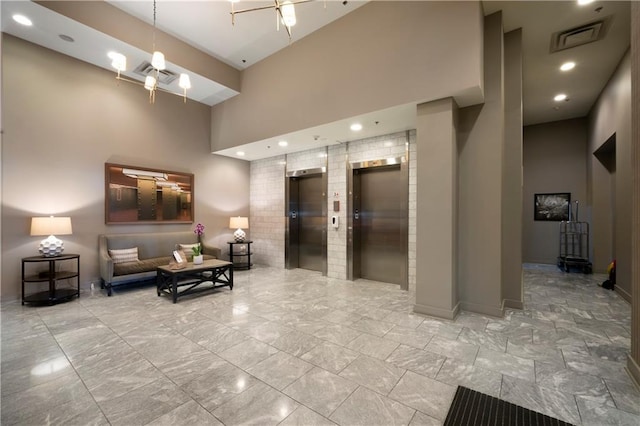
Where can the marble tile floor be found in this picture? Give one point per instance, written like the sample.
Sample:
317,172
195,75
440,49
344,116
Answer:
295,348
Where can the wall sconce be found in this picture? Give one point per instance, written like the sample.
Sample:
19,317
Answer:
51,226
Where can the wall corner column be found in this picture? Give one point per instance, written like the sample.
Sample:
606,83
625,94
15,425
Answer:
633,361
436,211
512,185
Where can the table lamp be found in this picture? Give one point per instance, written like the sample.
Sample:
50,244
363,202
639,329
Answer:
239,223
51,226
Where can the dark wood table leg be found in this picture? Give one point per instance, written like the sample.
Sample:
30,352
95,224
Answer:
174,286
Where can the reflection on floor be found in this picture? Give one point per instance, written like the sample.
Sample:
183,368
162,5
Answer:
292,347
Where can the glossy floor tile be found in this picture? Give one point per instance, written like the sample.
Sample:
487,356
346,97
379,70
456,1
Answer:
296,348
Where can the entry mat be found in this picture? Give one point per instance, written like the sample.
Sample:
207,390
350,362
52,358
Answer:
474,408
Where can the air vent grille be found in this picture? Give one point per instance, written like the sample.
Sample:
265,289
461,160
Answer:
587,33
164,77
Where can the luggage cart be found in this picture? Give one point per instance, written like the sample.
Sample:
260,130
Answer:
574,245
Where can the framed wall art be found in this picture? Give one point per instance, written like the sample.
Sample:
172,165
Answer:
551,207
140,195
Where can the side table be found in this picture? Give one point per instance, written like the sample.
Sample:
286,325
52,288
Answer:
242,251
51,276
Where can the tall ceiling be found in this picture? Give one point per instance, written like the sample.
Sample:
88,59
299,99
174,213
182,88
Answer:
595,61
206,25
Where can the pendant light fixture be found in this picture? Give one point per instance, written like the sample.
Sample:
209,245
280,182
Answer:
158,64
285,12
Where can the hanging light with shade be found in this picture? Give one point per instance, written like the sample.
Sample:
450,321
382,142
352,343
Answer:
158,64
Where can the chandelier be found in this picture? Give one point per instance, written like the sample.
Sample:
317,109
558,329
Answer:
285,12
119,62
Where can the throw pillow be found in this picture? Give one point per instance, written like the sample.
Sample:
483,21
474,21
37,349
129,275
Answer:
124,255
188,249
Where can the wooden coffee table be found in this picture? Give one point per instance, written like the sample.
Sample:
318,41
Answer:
212,271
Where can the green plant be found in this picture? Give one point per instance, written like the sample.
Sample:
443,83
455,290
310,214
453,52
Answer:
197,250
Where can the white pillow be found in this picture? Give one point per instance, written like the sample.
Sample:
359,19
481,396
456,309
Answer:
124,255
188,248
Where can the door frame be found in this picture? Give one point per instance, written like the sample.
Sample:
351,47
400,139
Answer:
290,246
352,168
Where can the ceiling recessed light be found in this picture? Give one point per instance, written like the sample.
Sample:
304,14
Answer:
583,2
23,20
567,66
283,143
560,97
356,127
240,153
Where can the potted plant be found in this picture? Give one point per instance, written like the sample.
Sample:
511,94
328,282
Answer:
197,254
197,250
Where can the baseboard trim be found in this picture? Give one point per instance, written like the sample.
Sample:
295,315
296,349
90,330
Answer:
623,293
633,369
513,304
493,311
449,314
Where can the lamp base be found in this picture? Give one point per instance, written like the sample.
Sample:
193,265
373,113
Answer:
51,246
239,235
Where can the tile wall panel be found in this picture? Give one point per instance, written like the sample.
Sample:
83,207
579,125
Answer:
267,219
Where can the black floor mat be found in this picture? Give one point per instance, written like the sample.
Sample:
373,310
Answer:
477,409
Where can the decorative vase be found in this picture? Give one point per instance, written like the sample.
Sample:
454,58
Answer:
197,260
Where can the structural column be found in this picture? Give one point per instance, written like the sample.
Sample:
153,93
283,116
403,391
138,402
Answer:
633,362
481,175
436,213
512,288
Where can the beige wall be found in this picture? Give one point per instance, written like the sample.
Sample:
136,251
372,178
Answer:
66,119
512,292
554,161
612,115
420,51
481,156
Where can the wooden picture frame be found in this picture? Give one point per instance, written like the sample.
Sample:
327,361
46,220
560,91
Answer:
552,207
142,195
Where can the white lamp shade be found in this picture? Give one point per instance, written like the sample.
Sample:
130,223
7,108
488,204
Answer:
288,13
149,83
119,61
185,81
157,60
239,222
51,226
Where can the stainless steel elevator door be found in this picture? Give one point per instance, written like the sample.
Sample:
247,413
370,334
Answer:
382,225
310,223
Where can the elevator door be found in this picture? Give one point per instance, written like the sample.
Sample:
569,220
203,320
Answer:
380,224
310,223
306,223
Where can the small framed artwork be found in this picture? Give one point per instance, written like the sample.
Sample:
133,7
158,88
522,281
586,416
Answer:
551,207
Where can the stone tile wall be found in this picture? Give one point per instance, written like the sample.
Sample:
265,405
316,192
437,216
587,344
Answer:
267,220
337,191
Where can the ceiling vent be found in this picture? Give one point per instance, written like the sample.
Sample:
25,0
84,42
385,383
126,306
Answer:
164,76
578,36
